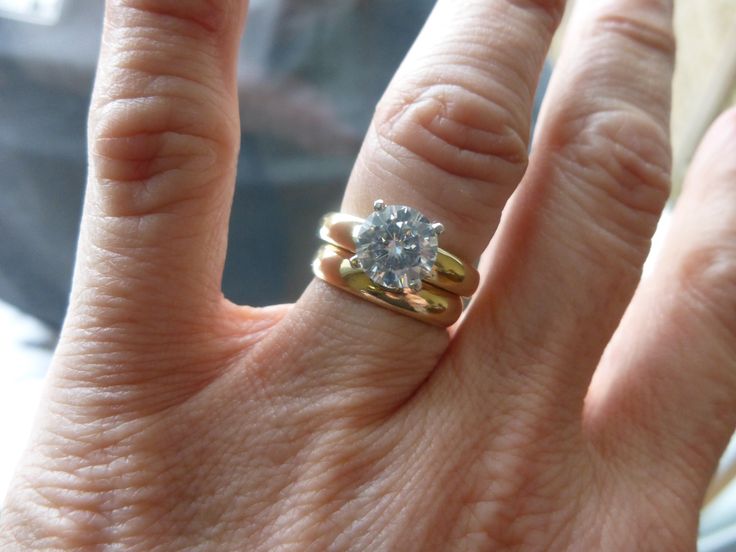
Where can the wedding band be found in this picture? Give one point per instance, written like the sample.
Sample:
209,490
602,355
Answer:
430,304
392,258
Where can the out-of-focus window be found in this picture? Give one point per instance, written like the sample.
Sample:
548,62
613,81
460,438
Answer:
44,12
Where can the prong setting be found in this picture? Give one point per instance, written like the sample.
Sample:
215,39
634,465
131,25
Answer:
438,227
354,262
396,246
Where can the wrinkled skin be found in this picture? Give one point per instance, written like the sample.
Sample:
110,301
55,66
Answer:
571,408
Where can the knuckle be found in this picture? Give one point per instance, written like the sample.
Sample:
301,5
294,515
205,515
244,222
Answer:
623,159
447,134
638,27
200,17
708,275
455,130
149,153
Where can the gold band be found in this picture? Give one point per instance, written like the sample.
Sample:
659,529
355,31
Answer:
449,273
430,304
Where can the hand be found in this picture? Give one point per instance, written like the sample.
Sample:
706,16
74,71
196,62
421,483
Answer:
176,420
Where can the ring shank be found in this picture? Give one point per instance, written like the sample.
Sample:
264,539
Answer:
430,304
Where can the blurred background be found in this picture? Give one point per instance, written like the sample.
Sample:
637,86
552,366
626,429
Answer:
310,74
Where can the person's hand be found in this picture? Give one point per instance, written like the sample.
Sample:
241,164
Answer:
175,420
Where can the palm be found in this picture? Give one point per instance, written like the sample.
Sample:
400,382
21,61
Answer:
546,419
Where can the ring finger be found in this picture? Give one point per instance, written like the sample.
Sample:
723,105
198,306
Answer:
449,138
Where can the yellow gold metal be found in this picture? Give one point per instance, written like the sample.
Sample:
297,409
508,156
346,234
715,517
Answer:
449,272
430,304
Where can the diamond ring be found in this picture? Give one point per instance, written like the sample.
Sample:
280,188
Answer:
393,258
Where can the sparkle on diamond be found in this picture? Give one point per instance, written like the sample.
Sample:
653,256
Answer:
396,247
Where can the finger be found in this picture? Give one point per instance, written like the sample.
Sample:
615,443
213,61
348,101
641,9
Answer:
567,262
667,384
450,135
163,141
449,138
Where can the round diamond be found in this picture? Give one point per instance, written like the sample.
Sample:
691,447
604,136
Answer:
396,246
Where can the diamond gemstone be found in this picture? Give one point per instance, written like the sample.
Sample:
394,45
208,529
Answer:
396,247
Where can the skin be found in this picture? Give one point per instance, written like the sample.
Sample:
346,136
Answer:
573,407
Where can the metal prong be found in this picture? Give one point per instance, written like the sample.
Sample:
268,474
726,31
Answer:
354,262
438,227
415,286
379,205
